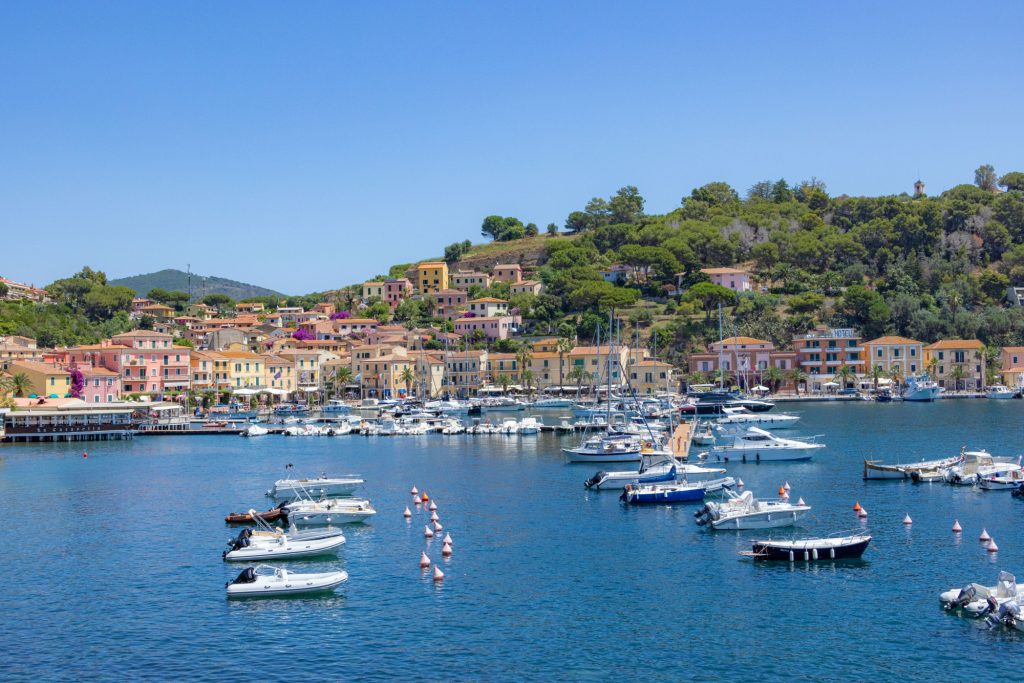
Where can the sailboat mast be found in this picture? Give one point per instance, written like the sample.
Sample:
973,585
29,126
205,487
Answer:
721,350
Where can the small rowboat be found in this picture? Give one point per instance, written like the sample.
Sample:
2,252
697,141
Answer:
810,549
266,581
272,515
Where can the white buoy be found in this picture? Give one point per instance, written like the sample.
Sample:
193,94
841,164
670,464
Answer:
434,517
446,549
740,483
437,527
448,539
956,526
414,491
427,533
416,501
907,520
801,502
438,574
862,513
992,547
984,536
433,505
407,514
424,561
786,486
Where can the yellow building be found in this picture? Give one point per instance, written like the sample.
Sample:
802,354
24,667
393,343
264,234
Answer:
47,381
241,369
373,289
464,372
649,376
381,371
431,276
306,368
249,307
202,370
503,365
278,373
895,353
594,361
956,363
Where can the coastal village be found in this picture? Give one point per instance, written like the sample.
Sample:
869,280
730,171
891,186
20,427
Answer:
256,355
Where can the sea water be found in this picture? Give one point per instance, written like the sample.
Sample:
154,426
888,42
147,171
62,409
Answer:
112,566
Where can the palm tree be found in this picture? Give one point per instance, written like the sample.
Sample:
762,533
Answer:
343,376
844,375
527,378
564,346
896,375
20,385
957,373
932,366
772,376
876,373
504,381
407,377
6,385
524,357
796,375
579,374
696,377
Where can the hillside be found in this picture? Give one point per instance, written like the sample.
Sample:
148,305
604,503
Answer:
176,280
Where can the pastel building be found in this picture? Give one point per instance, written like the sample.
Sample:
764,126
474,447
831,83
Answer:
649,376
466,279
449,303
488,306
497,327
46,379
464,372
396,290
507,272
150,362
1011,364
732,278
744,359
431,276
534,287
947,355
100,385
824,350
373,289
895,354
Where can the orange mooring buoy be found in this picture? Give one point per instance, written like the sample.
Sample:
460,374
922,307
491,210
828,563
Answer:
856,507
424,497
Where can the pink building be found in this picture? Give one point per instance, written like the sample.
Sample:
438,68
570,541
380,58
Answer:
733,278
396,290
151,363
101,385
449,303
497,327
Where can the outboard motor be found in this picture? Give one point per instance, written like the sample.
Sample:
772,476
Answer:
704,510
1006,615
967,593
248,575
593,481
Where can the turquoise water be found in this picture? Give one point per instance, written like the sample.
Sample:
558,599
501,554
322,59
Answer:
113,569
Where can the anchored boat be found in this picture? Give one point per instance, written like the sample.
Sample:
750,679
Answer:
267,543
810,549
761,446
267,581
743,511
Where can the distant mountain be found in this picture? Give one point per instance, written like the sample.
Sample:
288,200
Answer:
202,285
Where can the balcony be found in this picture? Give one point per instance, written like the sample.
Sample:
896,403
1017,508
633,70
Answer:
810,363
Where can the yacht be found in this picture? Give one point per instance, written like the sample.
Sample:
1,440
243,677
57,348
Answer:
530,425
742,417
743,511
336,407
760,446
976,465
553,403
329,511
998,391
921,388
716,401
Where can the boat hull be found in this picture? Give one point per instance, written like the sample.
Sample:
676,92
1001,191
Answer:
663,495
758,520
811,550
767,455
293,584
578,455
287,550
284,489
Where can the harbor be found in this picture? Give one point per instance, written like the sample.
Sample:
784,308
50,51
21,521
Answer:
518,513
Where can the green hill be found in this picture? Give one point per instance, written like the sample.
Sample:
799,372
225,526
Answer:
176,280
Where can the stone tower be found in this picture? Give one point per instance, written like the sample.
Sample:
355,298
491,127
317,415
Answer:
919,189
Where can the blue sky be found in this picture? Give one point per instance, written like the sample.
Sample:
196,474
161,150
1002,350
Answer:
303,146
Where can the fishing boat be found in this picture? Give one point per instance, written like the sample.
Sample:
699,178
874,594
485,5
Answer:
810,549
998,391
265,543
272,515
233,411
329,511
324,485
256,430
975,465
266,581
743,511
1002,482
921,388
875,469
759,445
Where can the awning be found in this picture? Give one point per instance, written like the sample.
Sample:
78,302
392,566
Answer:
276,392
830,384
309,389
246,392
760,387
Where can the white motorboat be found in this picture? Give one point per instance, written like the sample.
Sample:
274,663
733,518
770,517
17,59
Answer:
509,427
976,465
998,391
656,467
606,448
530,425
704,436
452,426
329,511
268,581
743,511
759,445
741,417
266,544
921,388
256,430
323,485
1002,482
553,403
873,469
336,407
976,600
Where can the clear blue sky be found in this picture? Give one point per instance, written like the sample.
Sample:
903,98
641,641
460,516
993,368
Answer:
303,146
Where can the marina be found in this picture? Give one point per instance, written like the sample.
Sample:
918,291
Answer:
516,510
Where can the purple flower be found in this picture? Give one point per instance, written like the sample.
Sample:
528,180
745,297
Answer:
340,315
303,335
